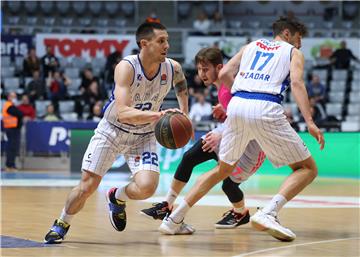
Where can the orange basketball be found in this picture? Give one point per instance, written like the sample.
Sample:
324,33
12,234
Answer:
173,130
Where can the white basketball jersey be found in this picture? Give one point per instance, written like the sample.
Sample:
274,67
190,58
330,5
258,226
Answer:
264,67
147,94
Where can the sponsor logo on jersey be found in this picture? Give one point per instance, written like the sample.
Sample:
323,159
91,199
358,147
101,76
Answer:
267,48
137,160
139,77
163,80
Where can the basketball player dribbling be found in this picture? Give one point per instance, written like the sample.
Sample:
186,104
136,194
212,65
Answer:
209,62
263,69
141,84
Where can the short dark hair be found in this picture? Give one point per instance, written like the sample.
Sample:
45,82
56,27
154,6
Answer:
288,23
212,55
146,31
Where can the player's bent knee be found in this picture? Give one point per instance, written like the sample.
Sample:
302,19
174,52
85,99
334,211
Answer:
309,165
188,156
89,183
147,192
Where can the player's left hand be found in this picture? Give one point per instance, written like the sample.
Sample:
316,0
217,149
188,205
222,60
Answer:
173,110
317,134
219,113
211,142
187,116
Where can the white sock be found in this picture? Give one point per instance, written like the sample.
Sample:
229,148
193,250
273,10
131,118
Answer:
66,217
179,213
239,210
171,197
275,205
121,195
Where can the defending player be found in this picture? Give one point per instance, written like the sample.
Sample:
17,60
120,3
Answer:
209,62
262,70
141,83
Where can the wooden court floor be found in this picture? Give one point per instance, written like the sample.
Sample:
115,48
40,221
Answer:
28,212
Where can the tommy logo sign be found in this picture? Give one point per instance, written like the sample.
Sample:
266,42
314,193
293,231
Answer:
68,47
84,46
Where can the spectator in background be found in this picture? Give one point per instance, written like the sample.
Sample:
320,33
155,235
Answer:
201,110
51,115
49,62
317,112
153,17
201,24
3,94
341,58
96,113
12,121
217,24
111,61
93,94
195,86
36,89
87,78
135,51
27,109
316,90
31,63
290,118
58,84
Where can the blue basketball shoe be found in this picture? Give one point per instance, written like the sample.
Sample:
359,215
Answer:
57,232
117,212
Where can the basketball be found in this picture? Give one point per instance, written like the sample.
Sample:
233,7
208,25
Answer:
173,130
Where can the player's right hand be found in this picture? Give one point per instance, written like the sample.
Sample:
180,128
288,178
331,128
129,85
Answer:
317,134
219,112
211,142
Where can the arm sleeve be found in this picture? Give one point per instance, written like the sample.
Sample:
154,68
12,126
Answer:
15,112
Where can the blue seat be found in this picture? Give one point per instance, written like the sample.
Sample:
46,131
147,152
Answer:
183,9
95,7
128,8
47,6
63,7
111,7
31,6
79,7
14,6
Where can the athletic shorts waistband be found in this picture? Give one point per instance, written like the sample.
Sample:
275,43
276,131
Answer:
259,96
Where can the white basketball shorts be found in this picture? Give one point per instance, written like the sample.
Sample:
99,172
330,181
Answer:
265,122
140,151
250,161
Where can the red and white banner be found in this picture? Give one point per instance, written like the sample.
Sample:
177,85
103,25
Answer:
312,48
86,46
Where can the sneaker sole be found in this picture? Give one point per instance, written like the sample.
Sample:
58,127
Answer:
274,233
219,226
58,241
164,230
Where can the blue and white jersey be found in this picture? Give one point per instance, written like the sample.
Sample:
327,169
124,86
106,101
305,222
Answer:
146,93
264,67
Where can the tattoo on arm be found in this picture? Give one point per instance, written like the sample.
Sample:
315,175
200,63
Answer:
180,81
181,88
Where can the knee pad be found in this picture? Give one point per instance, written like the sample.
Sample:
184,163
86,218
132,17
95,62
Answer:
232,191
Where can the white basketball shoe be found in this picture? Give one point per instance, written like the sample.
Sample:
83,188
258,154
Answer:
266,222
169,227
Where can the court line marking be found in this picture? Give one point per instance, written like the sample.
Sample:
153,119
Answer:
295,245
